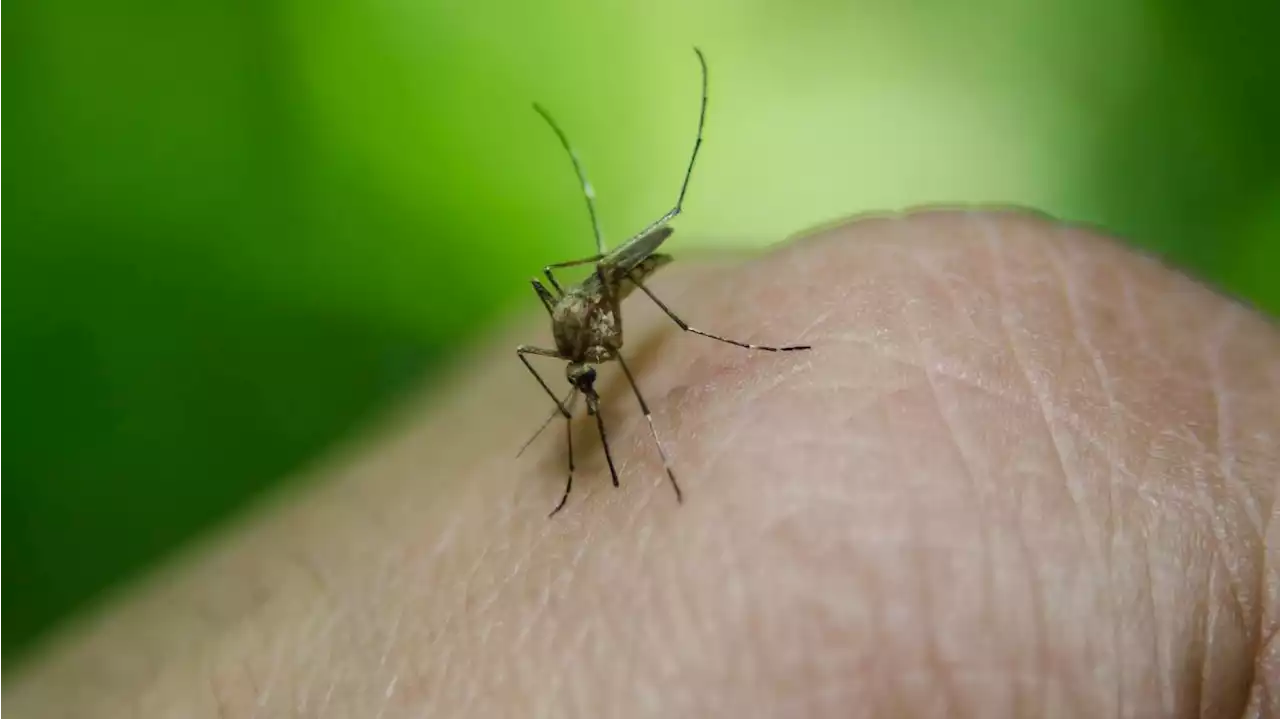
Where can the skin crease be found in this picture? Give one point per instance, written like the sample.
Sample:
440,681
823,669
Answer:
1024,472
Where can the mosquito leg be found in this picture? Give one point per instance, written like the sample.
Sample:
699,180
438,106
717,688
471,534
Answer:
685,325
571,263
568,402
568,483
523,350
561,409
587,191
697,144
604,440
644,407
548,299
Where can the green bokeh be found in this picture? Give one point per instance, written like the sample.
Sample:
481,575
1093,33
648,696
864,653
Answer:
237,230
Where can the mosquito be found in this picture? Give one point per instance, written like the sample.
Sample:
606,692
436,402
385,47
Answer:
586,319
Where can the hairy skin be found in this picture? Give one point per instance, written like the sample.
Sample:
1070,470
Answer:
1023,472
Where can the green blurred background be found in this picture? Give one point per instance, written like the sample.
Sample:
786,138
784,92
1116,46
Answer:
238,228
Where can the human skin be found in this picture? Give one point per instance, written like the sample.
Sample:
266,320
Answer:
1024,471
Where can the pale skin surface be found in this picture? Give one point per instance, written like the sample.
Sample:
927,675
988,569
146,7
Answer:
1023,472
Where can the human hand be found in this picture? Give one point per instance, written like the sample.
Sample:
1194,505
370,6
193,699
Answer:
1023,472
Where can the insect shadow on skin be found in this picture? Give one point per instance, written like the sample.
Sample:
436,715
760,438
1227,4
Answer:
586,319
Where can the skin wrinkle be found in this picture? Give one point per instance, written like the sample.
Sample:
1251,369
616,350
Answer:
725,445
538,608
328,696
1197,655
832,612
915,364
1268,657
1223,445
768,386
822,318
1265,614
455,613
1159,640
251,680
1157,649
1262,700
993,239
387,696
1080,431
275,650
737,606
638,653
679,605
723,441
880,613
368,572
294,685
941,282
396,669
950,693
1101,548
1082,335
321,649
218,700
629,634
1210,504
1135,317
630,642
1206,618
968,463
601,636
1172,369
1125,527
1249,504
1199,484
1223,429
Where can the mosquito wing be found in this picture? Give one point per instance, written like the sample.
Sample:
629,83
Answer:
627,256
635,260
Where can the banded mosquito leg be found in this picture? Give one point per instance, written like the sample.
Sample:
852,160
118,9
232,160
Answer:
685,326
644,407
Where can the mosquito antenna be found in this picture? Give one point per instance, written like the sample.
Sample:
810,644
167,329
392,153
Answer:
693,158
587,190
697,142
568,402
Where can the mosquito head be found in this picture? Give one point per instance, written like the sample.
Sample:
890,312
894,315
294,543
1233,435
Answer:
583,377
